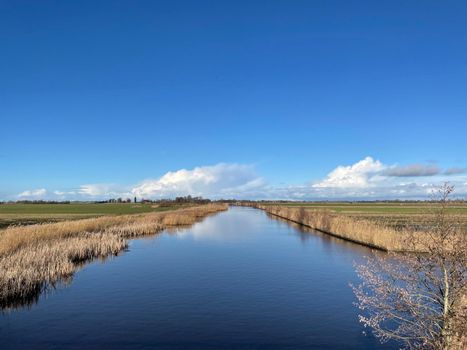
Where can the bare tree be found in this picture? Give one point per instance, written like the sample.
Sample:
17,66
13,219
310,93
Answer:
419,299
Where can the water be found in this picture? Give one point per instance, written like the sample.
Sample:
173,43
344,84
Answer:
237,280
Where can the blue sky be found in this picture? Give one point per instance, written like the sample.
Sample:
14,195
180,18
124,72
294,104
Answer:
253,99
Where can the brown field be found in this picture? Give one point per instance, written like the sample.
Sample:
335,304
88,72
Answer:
398,215
35,257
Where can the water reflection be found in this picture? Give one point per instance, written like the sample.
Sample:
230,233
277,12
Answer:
224,228
29,300
307,235
237,280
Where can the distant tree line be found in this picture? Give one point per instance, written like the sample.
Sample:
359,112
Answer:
162,202
178,200
35,202
201,200
115,200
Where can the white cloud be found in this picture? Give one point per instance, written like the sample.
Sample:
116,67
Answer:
368,178
102,190
371,179
220,180
93,189
358,175
64,193
33,193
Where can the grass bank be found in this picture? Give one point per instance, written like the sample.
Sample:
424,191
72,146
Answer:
35,257
359,231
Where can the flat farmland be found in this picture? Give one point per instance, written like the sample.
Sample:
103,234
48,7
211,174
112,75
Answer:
394,214
27,214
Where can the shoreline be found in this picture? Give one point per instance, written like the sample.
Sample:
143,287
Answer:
36,257
360,232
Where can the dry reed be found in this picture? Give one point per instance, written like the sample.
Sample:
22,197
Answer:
32,258
356,230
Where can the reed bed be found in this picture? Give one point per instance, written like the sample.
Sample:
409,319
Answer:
359,231
33,258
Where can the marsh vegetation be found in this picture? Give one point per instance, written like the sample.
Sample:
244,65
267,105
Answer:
233,280
416,295
385,226
420,299
36,257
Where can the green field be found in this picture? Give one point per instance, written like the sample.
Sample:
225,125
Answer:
26,214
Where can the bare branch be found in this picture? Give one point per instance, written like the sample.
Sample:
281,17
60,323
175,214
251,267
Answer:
419,300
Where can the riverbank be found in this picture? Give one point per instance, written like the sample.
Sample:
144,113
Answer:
360,231
236,279
22,214
35,257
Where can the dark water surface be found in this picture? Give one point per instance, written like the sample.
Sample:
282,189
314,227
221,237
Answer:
237,280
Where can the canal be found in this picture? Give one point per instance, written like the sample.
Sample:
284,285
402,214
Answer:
236,280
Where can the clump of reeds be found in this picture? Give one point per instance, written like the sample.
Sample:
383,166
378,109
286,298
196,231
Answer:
37,256
356,230
25,272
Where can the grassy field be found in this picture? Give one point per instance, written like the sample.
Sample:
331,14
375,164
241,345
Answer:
27,214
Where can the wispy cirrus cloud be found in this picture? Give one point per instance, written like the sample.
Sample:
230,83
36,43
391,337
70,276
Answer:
102,190
40,192
64,194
